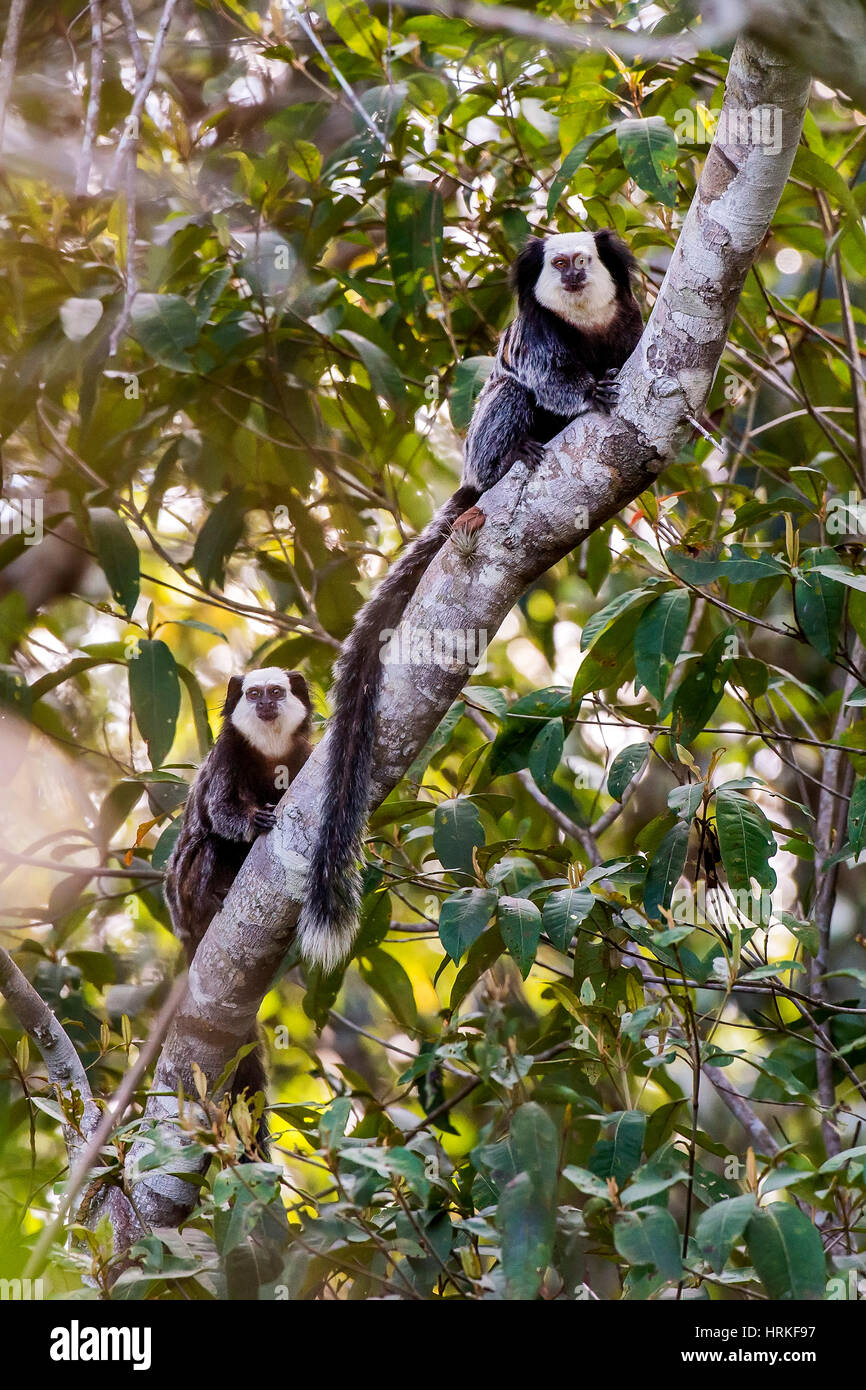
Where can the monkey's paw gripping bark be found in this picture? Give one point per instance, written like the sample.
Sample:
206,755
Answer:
469,521
530,453
605,395
264,819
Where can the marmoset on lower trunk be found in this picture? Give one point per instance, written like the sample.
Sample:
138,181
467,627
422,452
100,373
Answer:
263,744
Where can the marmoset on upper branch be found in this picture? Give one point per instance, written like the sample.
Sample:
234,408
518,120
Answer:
577,322
263,744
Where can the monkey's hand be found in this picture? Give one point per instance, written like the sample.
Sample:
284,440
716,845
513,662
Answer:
605,393
264,819
529,452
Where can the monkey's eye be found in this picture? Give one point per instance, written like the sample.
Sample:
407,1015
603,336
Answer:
581,260
276,692
560,262
254,693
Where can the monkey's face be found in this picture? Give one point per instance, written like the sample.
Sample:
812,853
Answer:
574,283
571,268
268,700
273,705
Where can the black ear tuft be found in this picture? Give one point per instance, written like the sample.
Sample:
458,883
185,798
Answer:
298,687
527,268
616,257
233,694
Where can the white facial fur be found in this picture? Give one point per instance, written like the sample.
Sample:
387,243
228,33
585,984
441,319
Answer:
591,307
273,740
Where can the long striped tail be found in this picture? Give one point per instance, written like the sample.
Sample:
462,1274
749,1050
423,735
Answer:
329,919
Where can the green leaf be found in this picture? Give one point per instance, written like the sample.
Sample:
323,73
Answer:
720,1227
526,1214
787,1253
519,922
698,695
659,638
563,913
545,754
819,600
570,165
463,918
154,693
665,870
383,973
618,1156
705,567
650,1237
305,160
746,841
118,555
385,378
457,831
601,621
165,326
219,535
413,231
469,377
624,767
649,152
857,815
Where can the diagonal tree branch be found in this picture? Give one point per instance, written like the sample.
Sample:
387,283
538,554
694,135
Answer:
589,473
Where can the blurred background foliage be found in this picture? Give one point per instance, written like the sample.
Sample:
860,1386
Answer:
249,291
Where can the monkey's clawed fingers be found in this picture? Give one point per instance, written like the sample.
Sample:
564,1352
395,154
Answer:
605,394
264,818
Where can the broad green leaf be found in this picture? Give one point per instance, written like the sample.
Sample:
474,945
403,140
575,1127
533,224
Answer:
857,815
304,159
154,693
601,621
787,1253
469,377
564,911
117,554
386,976
570,165
520,925
701,691
746,841
650,1237
659,638
665,870
627,763
649,152
526,1215
818,601
413,230
165,326
526,1229
457,831
618,1156
545,754
720,1227
216,541
463,918
739,568
385,378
